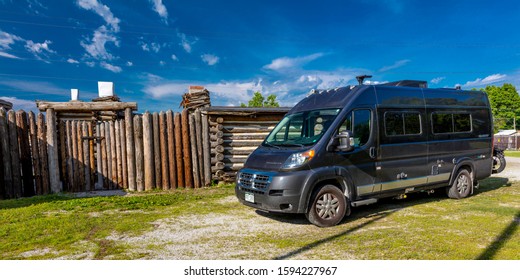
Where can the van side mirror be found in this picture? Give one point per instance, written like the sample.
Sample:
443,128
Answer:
342,142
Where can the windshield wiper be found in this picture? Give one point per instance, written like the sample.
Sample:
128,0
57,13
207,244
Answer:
271,145
291,145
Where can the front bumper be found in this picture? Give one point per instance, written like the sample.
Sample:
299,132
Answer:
272,191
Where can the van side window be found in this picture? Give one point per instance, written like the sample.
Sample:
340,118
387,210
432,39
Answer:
358,122
402,123
451,123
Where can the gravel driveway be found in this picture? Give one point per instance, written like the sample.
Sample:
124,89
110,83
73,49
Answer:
512,170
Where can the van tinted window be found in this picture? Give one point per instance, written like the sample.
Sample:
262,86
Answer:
358,122
451,123
400,123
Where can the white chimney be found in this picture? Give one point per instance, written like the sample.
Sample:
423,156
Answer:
106,89
74,94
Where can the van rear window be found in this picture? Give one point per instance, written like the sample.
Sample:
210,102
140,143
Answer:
451,123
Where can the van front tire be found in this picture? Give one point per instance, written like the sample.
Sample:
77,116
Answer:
461,186
328,206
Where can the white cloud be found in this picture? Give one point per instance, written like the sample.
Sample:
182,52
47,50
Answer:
34,87
210,59
437,80
186,42
72,61
175,58
110,67
101,10
96,47
129,63
162,63
155,47
90,63
160,9
397,64
291,62
21,104
491,79
8,39
4,54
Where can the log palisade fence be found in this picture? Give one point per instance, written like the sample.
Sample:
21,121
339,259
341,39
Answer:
54,152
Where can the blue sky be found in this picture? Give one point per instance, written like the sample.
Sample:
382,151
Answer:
154,49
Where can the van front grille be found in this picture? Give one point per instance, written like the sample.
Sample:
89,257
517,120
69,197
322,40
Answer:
254,181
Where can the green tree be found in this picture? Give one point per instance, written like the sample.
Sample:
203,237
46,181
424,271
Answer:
505,105
258,100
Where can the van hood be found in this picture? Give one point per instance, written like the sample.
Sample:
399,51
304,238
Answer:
270,159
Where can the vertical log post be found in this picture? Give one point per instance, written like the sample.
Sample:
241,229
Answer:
188,174
200,156
70,158
80,159
86,155
25,153
91,143
172,165
163,140
6,155
99,158
62,135
35,154
130,148
42,146
119,162
178,150
206,150
124,161
149,166
139,153
52,144
15,155
156,149
113,154
104,161
194,160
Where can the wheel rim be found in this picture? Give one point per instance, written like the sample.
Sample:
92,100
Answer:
496,163
327,206
462,184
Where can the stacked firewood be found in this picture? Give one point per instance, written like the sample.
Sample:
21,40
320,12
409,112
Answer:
6,105
196,97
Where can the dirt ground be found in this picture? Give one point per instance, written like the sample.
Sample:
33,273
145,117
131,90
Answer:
512,170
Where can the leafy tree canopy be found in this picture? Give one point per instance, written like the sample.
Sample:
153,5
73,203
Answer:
258,100
505,105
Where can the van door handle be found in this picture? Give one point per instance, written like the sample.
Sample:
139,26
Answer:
372,152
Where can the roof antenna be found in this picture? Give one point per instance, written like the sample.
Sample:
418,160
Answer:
362,78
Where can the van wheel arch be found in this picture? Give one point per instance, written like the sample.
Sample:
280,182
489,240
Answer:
342,185
461,185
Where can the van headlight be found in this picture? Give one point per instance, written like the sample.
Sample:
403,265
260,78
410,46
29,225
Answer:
298,159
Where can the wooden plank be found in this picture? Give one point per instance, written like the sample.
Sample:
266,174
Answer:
178,150
113,154
130,148
86,156
80,159
149,166
124,167
119,162
99,158
92,161
163,141
172,162
193,144
75,163
52,144
62,135
6,156
108,137
186,148
206,150
200,156
104,163
42,146
34,153
15,155
156,149
85,106
139,153
25,153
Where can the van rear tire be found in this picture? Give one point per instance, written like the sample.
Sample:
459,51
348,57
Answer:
461,187
328,206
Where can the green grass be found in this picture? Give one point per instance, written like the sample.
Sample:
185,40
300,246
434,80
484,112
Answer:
512,153
483,226
59,222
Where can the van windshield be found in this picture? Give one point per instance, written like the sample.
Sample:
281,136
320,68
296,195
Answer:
301,129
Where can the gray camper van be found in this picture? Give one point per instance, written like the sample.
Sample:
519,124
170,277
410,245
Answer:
350,146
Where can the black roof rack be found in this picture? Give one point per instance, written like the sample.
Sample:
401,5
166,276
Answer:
407,83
